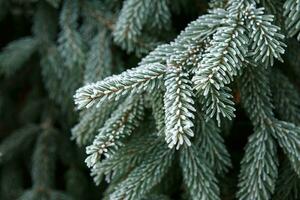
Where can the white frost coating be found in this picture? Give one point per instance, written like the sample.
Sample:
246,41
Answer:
131,81
178,107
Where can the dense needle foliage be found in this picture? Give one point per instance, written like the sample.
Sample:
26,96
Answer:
165,99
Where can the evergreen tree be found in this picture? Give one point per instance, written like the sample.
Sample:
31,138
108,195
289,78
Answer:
180,99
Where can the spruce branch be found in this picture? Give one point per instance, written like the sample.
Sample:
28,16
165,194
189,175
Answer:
212,147
292,14
16,53
128,30
121,124
286,102
217,4
178,108
158,110
203,27
96,10
286,98
271,7
256,95
159,55
45,25
266,40
258,167
288,137
53,73
149,173
70,42
222,61
287,187
200,180
129,25
160,14
17,142
211,53
189,43
90,121
259,107
131,81
99,58
128,157
43,168
70,47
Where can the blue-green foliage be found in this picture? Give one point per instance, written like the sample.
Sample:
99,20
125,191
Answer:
292,14
135,16
199,179
37,142
20,50
236,40
139,123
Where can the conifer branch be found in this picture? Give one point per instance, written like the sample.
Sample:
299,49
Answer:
198,177
178,108
259,107
186,47
212,147
16,53
158,110
257,103
292,14
128,30
286,102
91,120
288,137
149,173
259,167
221,62
272,7
266,41
159,55
121,124
17,142
160,14
128,157
96,10
220,59
286,98
70,43
45,25
99,58
288,184
43,171
131,81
